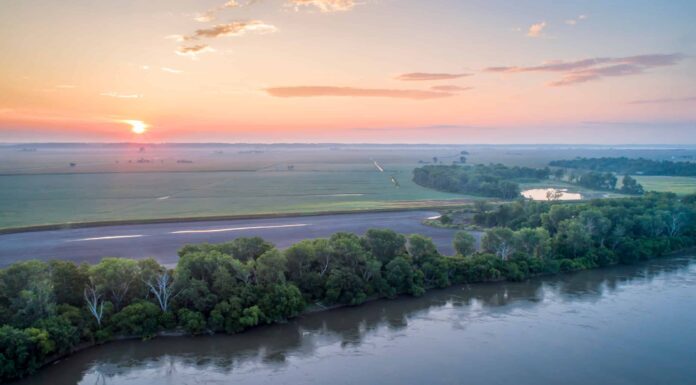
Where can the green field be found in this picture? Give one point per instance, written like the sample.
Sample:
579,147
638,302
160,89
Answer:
133,182
676,184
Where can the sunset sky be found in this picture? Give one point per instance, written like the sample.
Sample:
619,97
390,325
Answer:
390,71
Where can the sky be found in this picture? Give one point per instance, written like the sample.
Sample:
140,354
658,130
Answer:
360,71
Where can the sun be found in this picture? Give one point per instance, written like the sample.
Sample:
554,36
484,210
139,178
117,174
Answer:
138,127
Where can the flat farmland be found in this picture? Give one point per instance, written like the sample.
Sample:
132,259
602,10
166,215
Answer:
52,184
676,184
214,184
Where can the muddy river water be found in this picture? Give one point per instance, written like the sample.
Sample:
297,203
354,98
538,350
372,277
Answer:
622,325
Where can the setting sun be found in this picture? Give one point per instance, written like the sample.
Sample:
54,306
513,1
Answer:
137,126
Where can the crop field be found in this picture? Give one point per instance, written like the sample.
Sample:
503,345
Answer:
81,183
675,184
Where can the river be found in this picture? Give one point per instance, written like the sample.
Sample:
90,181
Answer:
621,325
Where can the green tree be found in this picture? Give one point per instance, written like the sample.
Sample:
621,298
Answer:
499,241
384,244
116,277
464,243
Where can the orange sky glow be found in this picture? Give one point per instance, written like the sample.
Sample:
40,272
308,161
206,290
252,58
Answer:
398,71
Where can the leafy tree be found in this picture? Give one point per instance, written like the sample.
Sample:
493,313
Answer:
499,241
115,277
631,186
271,267
137,319
384,244
68,281
192,321
402,277
421,248
464,243
533,242
345,287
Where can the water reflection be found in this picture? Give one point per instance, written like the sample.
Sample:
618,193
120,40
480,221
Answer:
551,194
335,336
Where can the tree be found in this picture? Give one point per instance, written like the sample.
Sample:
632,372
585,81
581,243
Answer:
161,287
95,303
402,277
300,257
271,267
68,281
137,319
115,276
464,243
533,242
631,186
421,248
572,238
499,241
384,244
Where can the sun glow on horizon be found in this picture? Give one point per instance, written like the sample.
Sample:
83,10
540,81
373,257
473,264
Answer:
138,127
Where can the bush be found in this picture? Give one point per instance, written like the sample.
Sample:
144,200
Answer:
193,322
139,319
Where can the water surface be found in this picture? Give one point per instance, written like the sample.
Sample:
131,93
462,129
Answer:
549,194
623,325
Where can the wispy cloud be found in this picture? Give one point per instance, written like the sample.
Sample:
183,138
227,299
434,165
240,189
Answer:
576,20
119,95
424,76
194,50
449,88
235,28
585,70
316,91
171,70
664,100
535,30
324,5
211,14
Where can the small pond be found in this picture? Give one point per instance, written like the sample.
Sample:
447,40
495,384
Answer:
551,194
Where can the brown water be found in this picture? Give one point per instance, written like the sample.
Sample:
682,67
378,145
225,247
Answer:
624,325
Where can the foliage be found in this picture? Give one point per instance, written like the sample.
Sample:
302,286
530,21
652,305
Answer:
494,180
630,166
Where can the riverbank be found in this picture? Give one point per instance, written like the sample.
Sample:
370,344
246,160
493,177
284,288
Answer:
319,308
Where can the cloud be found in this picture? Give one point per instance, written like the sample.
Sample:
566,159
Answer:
121,96
423,76
576,20
585,70
664,100
449,88
324,5
236,28
194,50
536,29
316,91
212,13
171,70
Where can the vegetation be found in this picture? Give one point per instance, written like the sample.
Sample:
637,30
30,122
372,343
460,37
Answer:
48,309
494,180
632,166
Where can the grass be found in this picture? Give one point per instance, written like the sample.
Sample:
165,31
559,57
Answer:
676,184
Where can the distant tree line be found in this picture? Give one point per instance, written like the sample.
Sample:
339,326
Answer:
607,181
48,309
493,180
630,166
